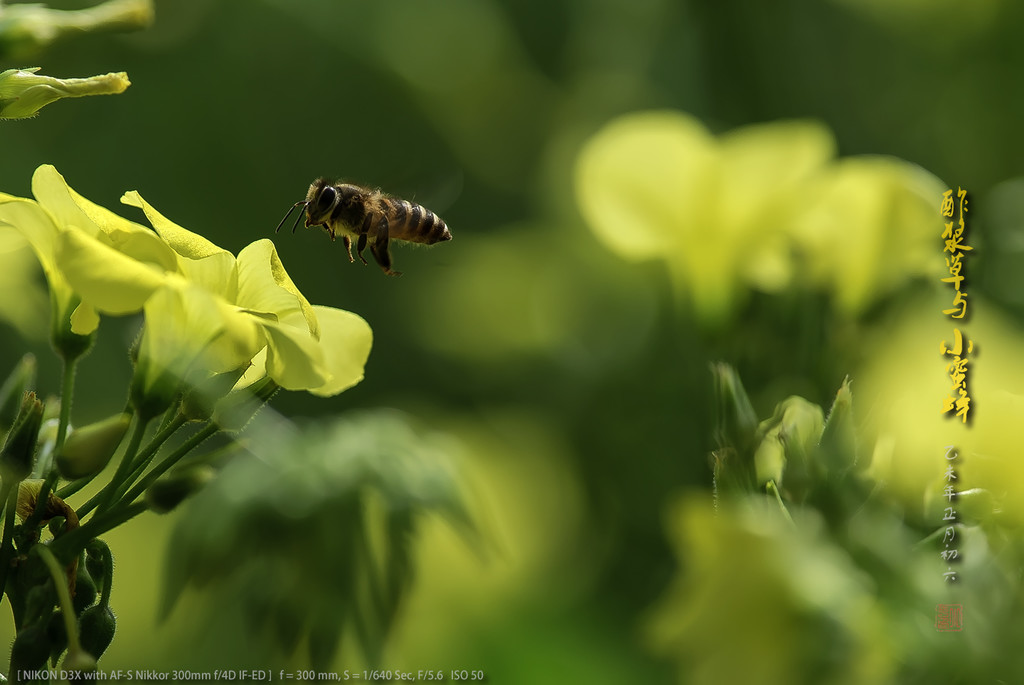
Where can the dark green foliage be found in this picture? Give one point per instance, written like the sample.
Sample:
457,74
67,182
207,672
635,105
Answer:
287,533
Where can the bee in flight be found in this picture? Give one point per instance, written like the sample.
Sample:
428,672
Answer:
369,217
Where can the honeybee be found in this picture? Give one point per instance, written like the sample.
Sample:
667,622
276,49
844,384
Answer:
368,216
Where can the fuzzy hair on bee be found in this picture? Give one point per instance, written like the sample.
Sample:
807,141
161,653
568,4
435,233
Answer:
369,217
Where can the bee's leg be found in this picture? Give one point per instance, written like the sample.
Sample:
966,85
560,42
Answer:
380,247
330,231
348,248
360,246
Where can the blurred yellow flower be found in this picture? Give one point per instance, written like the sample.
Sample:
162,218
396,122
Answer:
902,384
761,207
28,28
781,595
867,226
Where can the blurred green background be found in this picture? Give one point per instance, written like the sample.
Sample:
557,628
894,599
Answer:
577,381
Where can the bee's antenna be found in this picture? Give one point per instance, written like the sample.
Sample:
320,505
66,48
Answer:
297,204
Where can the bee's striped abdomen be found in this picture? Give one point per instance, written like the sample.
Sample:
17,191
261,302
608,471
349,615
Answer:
415,224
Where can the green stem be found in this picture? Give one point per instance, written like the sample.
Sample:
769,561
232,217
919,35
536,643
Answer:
60,582
146,456
66,391
774,489
169,461
73,487
104,498
171,414
108,574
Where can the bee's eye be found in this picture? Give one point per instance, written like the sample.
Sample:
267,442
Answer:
326,198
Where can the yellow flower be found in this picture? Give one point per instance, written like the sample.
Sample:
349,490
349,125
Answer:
206,310
904,382
759,585
761,207
657,184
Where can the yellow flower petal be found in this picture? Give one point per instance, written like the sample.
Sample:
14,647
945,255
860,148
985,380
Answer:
346,342
239,340
264,285
72,210
52,192
181,321
294,359
104,277
868,226
256,371
183,241
644,179
36,225
84,320
217,273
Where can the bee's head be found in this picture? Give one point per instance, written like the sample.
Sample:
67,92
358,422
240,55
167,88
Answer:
320,200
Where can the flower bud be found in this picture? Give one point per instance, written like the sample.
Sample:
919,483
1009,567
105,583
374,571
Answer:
770,458
96,628
802,424
168,492
22,378
39,601
20,446
27,29
88,449
800,430
31,648
23,92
